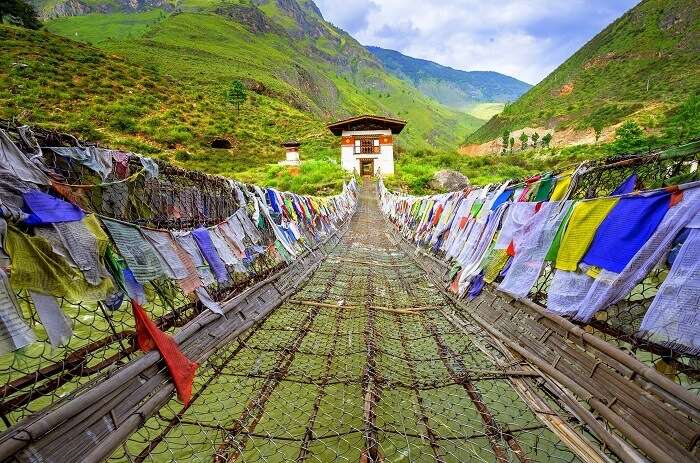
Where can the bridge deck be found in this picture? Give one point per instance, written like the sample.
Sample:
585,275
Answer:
362,364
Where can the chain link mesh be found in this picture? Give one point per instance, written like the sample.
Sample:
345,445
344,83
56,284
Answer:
361,364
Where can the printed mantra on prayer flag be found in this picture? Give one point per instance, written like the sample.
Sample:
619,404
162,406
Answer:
674,316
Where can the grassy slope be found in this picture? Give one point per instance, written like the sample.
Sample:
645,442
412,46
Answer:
47,80
293,92
641,66
210,49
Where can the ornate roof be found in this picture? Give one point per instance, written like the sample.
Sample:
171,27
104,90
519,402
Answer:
367,122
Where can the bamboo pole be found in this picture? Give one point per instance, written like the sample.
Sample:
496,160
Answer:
627,360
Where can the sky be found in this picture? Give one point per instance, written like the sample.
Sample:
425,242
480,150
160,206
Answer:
526,39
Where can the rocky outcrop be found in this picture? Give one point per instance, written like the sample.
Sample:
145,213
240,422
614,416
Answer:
250,17
448,180
80,7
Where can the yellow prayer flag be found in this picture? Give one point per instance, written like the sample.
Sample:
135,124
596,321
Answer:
584,221
562,186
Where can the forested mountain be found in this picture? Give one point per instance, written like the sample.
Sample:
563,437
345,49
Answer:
451,87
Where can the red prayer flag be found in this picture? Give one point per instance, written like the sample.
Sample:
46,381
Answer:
149,337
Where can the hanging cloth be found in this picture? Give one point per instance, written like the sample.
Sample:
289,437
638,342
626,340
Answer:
562,185
14,163
516,216
139,254
94,158
57,326
46,209
187,242
14,332
164,245
627,186
674,316
149,337
206,246
532,242
544,189
35,266
556,242
583,223
501,198
625,230
207,301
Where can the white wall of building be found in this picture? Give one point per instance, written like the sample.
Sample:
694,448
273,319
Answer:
383,162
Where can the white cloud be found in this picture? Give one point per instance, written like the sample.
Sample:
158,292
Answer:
523,38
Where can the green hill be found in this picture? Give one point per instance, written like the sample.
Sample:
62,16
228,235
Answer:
641,67
281,49
151,76
451,87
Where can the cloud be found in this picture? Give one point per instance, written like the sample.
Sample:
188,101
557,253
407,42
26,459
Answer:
353,19
523,38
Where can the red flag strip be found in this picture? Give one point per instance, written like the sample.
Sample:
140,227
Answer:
149,337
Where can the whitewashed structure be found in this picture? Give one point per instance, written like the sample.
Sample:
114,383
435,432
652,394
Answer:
367,143
291,149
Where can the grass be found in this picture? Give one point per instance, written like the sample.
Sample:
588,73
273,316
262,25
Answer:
155,84
415,169
485,111
95,28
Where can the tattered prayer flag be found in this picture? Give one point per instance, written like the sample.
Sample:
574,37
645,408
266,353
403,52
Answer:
47,209
206,246
627,186
562,185
149,337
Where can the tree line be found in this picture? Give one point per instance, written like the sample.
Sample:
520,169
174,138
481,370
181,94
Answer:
508,142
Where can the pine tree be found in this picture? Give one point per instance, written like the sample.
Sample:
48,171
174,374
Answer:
504,140
546,140
523,140
236,94
535,137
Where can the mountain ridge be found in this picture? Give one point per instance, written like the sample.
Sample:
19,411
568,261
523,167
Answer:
453,87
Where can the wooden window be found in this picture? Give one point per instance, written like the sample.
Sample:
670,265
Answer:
367,145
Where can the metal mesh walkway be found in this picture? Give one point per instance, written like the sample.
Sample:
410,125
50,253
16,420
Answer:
364,363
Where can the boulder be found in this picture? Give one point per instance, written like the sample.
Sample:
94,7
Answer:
448,180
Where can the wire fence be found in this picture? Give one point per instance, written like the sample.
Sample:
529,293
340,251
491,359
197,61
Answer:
361,364
147,193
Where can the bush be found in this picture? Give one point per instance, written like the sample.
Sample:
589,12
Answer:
629,138
123,123
174,135
183,156
684,124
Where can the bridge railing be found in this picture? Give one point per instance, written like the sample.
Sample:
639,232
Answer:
639,388
53,352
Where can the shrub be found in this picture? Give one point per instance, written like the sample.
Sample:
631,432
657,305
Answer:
183,156
629,138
